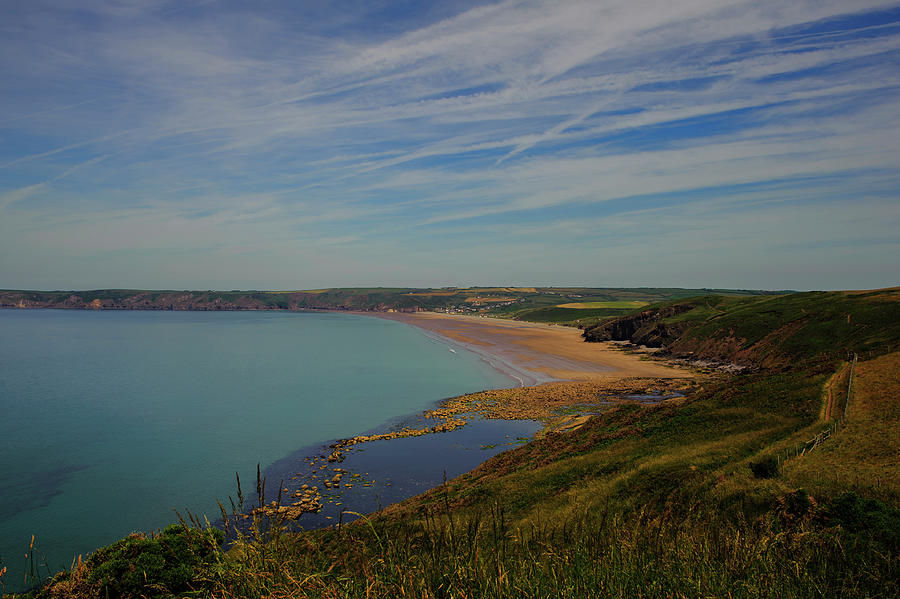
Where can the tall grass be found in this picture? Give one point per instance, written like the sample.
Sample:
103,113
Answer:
591,554
672,553
676,550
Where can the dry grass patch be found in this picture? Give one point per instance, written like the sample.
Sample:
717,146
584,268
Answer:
863,455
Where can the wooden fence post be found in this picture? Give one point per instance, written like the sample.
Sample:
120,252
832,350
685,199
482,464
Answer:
849,387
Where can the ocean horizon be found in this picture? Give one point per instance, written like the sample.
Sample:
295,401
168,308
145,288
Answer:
113,419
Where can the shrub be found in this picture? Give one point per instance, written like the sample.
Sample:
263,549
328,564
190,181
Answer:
154,566
868,516
767,467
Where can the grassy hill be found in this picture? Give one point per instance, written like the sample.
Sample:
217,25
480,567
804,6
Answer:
719,494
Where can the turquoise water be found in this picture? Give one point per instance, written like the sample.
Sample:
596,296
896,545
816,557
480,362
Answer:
110,420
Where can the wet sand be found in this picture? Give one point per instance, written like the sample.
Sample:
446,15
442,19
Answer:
535,353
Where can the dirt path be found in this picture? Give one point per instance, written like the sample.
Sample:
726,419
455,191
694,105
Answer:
834,390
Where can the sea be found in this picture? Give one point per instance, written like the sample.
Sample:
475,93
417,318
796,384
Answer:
111,421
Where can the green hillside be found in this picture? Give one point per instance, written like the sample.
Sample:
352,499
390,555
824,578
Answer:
766,331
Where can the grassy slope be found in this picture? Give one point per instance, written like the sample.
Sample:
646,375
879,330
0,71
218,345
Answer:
664,471
803,326
642,457
649,501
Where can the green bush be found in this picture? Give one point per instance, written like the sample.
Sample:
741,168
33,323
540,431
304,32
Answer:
866,516
154,566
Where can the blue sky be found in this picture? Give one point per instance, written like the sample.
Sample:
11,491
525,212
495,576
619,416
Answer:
287,145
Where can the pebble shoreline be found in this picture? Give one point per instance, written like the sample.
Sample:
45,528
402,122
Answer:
541,402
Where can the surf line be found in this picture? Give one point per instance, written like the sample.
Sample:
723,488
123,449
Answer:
494,361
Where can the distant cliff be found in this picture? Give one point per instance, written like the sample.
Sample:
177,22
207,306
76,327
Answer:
527,303
112,299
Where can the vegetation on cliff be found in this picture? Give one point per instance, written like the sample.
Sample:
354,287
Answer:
766,331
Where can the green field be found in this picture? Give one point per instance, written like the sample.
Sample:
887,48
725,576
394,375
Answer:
630,305
570,316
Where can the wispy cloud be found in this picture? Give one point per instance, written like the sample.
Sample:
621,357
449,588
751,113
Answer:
292,129
22,193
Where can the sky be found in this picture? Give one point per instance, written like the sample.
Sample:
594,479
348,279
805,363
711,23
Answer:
293,145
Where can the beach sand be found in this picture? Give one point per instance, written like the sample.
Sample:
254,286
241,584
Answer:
536,353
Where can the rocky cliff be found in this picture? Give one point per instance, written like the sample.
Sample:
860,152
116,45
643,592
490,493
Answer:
644,328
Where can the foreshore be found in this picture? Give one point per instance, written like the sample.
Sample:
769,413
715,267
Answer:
562,380
538,352
556,370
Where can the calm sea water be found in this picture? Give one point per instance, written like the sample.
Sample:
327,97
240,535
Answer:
110,420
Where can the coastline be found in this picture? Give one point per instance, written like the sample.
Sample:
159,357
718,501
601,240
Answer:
128,419
527,348
541,352
562,381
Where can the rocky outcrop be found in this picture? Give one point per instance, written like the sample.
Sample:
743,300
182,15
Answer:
644,328
719,347
308,501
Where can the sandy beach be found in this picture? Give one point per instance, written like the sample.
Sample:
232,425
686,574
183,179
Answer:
535,353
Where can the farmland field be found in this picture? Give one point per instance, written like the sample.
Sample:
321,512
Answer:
615,305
